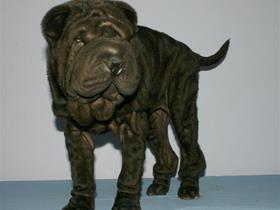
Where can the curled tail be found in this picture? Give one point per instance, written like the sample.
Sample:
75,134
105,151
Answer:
208,63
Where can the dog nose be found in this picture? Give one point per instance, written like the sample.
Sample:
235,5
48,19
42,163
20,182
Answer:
115,65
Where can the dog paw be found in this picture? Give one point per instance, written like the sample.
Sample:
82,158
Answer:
157,189
127,201
127,207
68,207
188,193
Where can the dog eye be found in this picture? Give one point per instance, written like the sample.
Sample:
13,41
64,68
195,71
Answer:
79,41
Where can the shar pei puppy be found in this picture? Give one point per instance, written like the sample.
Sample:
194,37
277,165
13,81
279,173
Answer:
106,73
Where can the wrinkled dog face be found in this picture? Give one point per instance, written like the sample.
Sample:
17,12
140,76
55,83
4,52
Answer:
89,50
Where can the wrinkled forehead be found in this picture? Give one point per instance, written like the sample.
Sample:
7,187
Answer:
97,8
87,14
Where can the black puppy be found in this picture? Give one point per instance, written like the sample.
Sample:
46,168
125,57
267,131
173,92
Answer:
107,73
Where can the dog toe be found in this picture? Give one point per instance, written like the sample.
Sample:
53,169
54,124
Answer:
157,189
188,193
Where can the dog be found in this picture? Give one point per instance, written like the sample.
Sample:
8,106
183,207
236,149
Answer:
106,73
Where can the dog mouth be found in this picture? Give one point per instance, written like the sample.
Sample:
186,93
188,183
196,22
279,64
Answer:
100,107
110,94
110,86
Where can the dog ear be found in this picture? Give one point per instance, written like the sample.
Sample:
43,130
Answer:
54,22
129,12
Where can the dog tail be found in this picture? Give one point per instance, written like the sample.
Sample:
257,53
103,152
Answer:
208,63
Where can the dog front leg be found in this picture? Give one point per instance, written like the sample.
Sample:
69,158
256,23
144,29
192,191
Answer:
80,151
133,133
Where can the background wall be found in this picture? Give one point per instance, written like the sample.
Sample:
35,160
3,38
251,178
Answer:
238,102
1,90
278,72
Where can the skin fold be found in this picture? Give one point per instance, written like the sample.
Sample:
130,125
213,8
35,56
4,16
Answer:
106,73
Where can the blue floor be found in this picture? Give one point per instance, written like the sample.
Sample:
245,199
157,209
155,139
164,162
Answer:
217,193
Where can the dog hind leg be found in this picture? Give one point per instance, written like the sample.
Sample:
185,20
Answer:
166,160
185,122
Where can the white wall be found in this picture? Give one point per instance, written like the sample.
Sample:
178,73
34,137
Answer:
1,87
238,102
278,55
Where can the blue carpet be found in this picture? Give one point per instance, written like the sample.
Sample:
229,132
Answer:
217,193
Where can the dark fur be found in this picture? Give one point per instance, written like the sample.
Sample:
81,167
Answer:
159,84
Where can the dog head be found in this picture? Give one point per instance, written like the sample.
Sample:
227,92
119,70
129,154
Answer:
90,55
